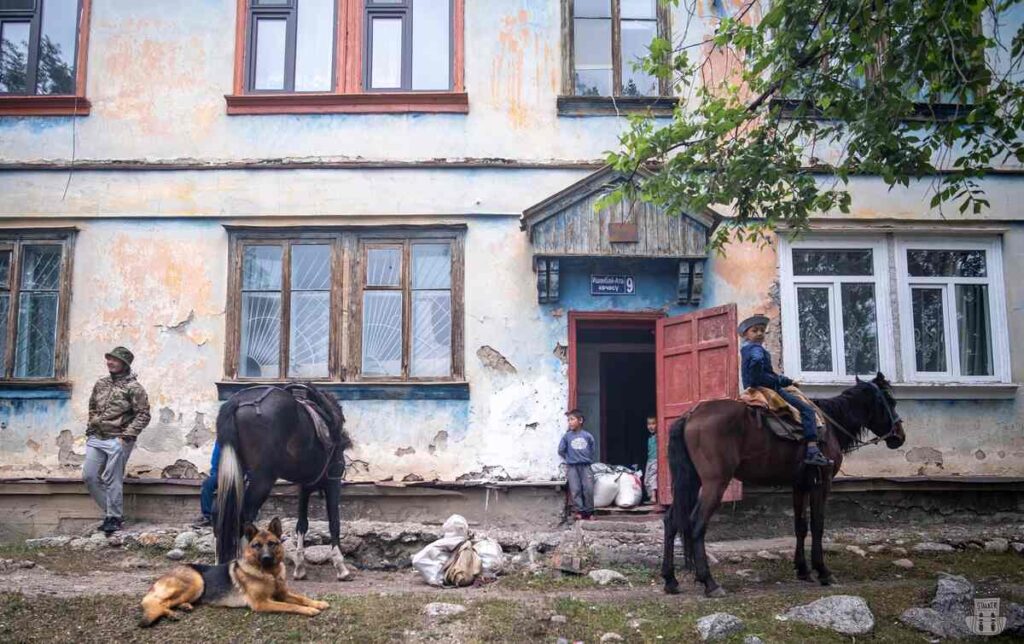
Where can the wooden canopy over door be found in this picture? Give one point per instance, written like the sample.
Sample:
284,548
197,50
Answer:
696,358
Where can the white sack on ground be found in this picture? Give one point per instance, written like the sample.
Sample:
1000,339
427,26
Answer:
431,560
491,556
606,488
630,490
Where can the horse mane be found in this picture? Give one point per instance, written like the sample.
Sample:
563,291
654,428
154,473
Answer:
849,410
335,418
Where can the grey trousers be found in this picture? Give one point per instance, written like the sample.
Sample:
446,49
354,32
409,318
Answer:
581,487
103,473
651,480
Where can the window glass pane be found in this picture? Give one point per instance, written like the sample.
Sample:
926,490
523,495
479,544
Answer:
592,9
929,329
261,268
310,334
272,3
386,58
821,261
383,266
431,36
974,330
860,329
270,34
40,269
311,267
382,333
946,263
261,335
5,269
431,333
637,8
636,38
14,57
815,329
431,266
36,335
314,46
57,47
592,47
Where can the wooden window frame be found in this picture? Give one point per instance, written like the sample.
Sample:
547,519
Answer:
75,104
347,279
572,104
349,95
14,241
406,240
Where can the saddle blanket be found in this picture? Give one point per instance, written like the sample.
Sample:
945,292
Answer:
779,416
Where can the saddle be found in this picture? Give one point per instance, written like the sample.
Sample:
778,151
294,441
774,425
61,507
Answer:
778,416
300,393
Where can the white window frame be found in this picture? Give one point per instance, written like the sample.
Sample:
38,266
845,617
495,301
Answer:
997,308
790,319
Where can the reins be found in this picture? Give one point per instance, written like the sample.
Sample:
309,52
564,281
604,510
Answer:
856,441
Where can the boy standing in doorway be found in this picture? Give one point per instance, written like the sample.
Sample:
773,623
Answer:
577,450
651,469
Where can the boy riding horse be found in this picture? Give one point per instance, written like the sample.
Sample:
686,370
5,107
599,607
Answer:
757,371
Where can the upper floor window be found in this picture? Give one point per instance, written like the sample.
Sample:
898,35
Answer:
608,38
42,57
408,45
317,56
35,289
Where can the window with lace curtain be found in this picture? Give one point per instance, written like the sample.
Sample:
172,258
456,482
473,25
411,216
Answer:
293,317
34,292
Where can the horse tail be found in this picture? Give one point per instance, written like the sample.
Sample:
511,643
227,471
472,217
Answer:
685,484
230,484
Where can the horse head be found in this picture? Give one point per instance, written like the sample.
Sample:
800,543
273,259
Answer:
884,422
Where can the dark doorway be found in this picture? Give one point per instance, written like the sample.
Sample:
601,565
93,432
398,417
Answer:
628,397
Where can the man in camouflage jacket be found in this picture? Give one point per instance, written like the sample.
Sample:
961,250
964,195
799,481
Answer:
118,412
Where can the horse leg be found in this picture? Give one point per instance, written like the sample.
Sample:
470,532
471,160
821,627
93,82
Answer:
256,493
668,555
800,527
707,503
818,497
301,527
334,521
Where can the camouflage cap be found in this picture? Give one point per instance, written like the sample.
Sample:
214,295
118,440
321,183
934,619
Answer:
122,354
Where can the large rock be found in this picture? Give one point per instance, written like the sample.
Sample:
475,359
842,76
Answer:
931,547
48,542
718,626
175,554
953,593
205,544
185,540
927,620
997,545
845,614
317,555
603,577
946,617
441,609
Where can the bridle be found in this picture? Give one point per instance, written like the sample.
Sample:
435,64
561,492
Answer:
894,419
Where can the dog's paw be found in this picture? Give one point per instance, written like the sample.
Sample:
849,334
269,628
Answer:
320,605
186,607
311,612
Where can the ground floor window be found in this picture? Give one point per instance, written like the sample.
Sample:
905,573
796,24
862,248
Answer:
35,289
346,305
950,315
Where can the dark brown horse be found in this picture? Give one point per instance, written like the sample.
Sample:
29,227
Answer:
721,440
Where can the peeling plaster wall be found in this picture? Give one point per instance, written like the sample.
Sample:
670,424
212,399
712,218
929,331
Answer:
151,256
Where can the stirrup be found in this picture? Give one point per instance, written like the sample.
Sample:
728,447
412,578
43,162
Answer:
817,459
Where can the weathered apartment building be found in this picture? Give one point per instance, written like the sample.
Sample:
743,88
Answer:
395,198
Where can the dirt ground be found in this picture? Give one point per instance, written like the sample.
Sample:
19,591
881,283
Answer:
93,596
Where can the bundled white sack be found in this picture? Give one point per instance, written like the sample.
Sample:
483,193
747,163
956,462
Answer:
492,558
606,489
630,490
431,560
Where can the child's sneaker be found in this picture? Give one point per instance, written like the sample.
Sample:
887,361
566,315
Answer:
815,457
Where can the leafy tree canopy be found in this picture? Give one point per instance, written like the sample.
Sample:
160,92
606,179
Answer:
787,99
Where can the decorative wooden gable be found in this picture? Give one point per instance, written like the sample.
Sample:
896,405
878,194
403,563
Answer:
568,224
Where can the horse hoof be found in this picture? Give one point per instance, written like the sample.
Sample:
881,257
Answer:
827,580
804,576
672,588
346,576
717,592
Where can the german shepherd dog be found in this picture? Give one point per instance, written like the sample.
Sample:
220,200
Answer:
256,579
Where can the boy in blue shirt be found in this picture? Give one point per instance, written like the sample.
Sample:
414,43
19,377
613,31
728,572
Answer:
208,489
757,371
577,450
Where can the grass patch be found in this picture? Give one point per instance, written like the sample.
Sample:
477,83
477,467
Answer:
64,560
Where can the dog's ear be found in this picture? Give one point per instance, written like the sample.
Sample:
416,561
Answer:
250,531
275,527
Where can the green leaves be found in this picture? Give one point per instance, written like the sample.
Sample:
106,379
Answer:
898,89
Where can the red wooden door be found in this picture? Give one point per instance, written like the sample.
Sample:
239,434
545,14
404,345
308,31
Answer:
696,359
